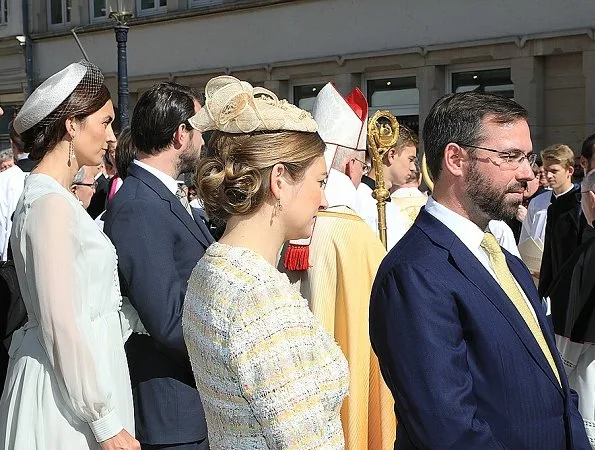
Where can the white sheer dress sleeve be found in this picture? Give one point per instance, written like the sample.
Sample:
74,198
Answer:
57,259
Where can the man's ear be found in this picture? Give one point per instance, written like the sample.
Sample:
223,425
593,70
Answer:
179,138
453,159
350,171
571,170
391,154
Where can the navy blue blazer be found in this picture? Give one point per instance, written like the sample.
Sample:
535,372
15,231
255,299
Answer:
158,244
462,365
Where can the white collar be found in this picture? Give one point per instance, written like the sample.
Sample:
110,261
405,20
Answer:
340,190
469,233
169,182
565,192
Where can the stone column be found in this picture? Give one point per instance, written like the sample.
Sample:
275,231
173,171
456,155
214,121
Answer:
589,73
431,83
527,74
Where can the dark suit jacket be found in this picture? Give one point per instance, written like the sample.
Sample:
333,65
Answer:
572,293
562,236
26,164
97,203
463,367
158,245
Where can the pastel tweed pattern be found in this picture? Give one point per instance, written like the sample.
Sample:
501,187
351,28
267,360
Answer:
268,374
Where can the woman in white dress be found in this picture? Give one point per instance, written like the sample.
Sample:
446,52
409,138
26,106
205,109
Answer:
268,373
67,385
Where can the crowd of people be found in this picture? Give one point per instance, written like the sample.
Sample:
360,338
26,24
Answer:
258,308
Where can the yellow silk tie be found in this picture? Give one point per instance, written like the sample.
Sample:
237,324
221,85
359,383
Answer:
510,288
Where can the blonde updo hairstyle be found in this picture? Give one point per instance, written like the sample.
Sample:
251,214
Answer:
235,180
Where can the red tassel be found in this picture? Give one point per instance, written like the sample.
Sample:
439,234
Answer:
297,257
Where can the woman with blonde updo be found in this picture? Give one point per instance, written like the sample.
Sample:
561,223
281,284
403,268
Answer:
268,374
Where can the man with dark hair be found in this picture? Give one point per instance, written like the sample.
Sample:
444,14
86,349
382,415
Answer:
158,244
462,339
125,153
587,159
21,158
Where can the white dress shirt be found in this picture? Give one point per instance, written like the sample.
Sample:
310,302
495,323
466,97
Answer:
12,182
471,236
504,235
536,218
396,226
170,182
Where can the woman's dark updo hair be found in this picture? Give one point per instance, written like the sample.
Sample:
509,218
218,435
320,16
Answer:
44,136
235,179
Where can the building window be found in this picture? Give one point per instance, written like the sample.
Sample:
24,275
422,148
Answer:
99,10
59,11
145,7
3,12
199,3
399,95
496,81
304,96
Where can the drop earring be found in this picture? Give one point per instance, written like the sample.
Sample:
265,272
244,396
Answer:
70,152
276,208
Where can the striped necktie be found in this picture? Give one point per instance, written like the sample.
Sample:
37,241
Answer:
510,288
184,200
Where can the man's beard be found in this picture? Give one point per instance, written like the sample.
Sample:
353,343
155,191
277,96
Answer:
487,200
188,161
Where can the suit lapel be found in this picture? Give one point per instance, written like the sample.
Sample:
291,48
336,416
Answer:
477,274
200,233
523,277
200,221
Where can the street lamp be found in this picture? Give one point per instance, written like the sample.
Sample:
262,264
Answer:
121,12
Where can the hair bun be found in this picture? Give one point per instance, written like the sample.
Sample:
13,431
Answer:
228,188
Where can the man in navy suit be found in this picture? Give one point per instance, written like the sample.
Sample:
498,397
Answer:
462,338
159,242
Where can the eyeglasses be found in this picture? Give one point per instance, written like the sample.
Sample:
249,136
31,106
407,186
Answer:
366,167
510,160
91,185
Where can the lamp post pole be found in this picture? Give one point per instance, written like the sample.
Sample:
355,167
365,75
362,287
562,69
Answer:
120,11
121,39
